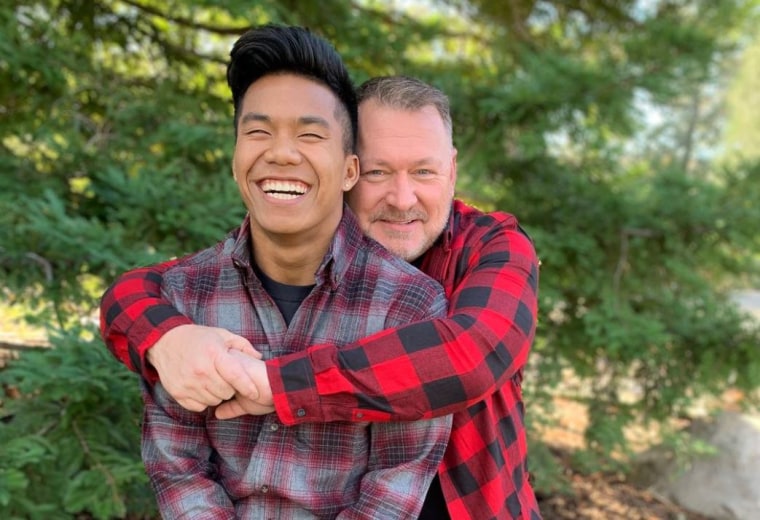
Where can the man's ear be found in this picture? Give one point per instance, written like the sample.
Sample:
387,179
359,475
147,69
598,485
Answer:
351,176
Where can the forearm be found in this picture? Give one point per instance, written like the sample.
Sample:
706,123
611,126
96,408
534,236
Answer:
401,388
468,364
427,369
134,316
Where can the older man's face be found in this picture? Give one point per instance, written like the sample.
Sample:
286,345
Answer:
408,173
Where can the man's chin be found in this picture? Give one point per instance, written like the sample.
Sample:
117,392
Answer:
407,253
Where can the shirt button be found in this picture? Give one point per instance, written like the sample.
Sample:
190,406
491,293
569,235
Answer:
264,489
359,415
301,412
274,427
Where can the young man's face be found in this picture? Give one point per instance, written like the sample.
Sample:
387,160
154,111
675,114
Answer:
289,162
408,173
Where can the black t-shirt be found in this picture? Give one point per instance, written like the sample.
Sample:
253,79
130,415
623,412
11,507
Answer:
434,507
287,297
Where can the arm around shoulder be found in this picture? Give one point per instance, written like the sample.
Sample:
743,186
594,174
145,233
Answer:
432,367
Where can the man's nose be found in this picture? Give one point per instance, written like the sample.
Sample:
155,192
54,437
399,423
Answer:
283,150
402,194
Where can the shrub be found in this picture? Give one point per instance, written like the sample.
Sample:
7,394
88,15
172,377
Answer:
71,434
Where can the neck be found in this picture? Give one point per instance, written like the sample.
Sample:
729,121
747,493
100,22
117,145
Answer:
290,259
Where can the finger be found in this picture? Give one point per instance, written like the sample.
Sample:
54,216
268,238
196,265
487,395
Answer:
217,390
192,405
236,408
241,344
193,399
236,342
232,367
229,410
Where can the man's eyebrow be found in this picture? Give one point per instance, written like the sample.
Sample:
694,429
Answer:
249,117
425,161
314,120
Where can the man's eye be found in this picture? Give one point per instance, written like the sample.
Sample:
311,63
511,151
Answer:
423,172
310,135
373,173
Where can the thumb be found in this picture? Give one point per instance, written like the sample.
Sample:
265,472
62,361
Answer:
229,410
239,406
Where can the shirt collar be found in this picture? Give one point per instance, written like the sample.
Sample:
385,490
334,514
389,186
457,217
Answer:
339,257
342,251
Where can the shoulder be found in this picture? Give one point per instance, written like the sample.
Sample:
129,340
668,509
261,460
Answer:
203,260
387,268
407,293
466,217
472,227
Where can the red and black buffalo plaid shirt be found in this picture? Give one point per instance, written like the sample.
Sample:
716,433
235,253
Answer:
489,270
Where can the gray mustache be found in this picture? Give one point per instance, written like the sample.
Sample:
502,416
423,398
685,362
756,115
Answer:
399,216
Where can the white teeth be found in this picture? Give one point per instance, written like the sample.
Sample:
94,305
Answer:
282,196
283,189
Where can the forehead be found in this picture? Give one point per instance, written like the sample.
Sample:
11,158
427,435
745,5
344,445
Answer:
375,117
290,96
386,132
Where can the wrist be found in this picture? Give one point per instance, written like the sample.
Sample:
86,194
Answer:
153,352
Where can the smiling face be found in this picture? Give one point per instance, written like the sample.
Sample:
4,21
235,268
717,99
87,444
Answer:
408,173
290,163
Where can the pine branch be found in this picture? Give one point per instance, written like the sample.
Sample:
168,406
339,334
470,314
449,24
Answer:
395,18
224,30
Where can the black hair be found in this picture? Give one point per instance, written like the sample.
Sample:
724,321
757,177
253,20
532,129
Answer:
276,49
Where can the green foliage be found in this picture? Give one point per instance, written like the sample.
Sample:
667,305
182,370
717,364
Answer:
116,141
71,441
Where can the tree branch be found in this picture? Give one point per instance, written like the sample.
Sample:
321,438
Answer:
225,30
623,258
20,347
387,17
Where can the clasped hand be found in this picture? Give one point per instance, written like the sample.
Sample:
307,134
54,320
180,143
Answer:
209,366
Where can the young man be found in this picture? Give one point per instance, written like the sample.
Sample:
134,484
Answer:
298,271
473,368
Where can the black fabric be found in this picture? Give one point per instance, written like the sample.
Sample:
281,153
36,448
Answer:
287,297
434,507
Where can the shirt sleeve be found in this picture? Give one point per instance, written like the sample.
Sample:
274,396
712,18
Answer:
176,454
134,316
428,368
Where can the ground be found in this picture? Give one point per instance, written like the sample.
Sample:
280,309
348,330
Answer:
609,497
605,496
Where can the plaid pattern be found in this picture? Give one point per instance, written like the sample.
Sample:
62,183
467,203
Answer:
258,467
489,270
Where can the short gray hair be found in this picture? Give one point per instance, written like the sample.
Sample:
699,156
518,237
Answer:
405,93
